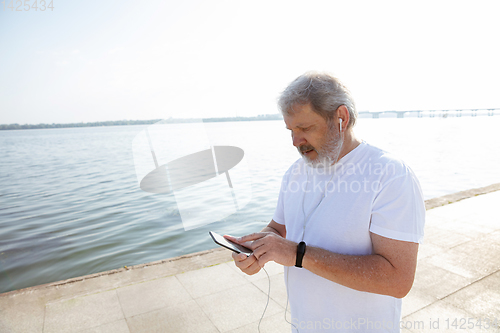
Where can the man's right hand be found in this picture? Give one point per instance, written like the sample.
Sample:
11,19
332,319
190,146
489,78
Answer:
248,265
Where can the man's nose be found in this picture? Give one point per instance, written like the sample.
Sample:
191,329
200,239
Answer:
298,139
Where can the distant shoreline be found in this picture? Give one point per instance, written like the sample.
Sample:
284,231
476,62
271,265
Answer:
139,122
276,116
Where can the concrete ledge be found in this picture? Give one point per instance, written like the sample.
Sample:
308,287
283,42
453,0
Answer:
454,197
124,276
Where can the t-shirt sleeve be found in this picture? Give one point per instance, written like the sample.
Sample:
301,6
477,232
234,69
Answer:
399,209
279,213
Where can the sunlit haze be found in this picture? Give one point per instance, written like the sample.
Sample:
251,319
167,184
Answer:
129,60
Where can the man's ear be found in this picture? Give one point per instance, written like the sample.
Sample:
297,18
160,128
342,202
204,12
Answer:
343,113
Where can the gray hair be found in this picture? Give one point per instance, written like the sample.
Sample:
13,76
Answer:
325,93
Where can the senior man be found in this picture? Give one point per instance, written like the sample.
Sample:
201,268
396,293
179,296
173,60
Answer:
348,222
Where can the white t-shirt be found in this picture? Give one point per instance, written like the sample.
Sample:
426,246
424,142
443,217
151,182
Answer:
368,190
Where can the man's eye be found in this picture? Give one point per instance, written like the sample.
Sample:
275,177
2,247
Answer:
307,129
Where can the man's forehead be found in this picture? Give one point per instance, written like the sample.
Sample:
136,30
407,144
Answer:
299,124
302,118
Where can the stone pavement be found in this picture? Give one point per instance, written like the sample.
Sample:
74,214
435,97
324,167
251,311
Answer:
456,289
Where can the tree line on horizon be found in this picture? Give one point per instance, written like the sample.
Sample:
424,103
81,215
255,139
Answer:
137,122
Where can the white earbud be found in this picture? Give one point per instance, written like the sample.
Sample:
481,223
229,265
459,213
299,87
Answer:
340,126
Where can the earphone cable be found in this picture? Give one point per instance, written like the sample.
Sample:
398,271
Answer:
268,296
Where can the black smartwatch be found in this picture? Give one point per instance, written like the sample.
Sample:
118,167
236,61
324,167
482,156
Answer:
301,249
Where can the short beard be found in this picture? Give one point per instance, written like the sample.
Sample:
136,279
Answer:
329,151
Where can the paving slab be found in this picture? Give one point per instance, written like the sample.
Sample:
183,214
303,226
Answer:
210,280
437,317
236,307
437,281
457,283
152,295
274,323
186,317
82,313
278,289
481,299
119,326
26,316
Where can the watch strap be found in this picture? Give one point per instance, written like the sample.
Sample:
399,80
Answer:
301,250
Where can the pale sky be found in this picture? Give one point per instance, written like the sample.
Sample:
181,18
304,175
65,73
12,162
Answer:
113,60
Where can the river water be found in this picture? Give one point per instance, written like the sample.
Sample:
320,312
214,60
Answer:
71,205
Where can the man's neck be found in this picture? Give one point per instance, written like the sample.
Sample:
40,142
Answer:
350,142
